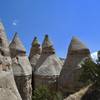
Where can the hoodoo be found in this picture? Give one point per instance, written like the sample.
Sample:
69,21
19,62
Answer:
34,53
34,56
21,68
8,89
69,76
48,66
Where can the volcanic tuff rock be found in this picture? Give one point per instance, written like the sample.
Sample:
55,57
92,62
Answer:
34,56
48,66
3,41
8,89
78,95
69,76
34,53
48,69
21,68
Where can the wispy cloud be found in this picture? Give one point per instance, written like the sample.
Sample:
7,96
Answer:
15,22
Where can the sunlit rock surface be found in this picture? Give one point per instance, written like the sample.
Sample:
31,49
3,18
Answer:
69,76
8,89
48,67
21,68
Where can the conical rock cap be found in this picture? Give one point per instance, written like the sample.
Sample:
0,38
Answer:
71,70
34,52
16,44
76,44
47,46
46,42
35,41
35,49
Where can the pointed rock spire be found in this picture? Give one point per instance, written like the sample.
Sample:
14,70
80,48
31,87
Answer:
71,70
47,47
46,42
35,49
4,46
76,44
16,45
35,42
22,69
48,67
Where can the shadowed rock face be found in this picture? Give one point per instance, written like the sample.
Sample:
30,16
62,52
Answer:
8,89
34,53
21,68
69,76
34,56
47,47
48,66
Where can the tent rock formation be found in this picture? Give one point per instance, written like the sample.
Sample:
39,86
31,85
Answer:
34,53
69,76
8,89
48,66
21,68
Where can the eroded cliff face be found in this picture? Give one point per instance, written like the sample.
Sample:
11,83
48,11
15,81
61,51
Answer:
8,89
46,69
22,75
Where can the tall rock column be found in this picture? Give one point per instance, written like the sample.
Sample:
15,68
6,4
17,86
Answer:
69,76
48,67
21,68
34,56
34,53
8,89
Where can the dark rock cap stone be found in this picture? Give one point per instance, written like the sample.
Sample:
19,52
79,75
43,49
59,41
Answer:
35,49
35,42
46,42
47,47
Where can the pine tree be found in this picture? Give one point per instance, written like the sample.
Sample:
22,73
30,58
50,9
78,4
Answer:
90,72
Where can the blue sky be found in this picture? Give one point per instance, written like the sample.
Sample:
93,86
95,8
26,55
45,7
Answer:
60,19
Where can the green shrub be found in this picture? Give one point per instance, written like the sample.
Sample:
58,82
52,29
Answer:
43,93
90,72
